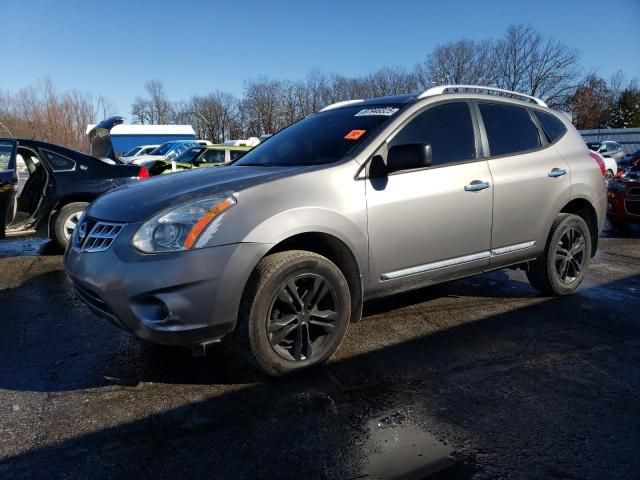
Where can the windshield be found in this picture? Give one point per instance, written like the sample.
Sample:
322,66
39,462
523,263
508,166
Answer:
131,152
593,146
163,149
189,155
324,137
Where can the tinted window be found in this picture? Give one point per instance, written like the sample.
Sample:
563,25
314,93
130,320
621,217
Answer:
509,129
321,138
58,162
447,128
236,154
553,127
213,156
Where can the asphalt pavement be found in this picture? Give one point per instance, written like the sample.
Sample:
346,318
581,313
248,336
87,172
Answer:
478,378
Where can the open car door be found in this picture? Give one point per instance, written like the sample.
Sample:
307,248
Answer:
8,181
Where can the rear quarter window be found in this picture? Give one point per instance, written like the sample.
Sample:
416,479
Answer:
58,162
509,128
553,127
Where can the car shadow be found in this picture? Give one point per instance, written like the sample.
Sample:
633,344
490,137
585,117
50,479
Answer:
482,381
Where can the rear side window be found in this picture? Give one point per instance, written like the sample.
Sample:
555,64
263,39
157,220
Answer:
553,127
58,162
447,128
509,129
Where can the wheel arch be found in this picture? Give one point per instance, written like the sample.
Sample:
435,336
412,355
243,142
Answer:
584,209
80,197
338,252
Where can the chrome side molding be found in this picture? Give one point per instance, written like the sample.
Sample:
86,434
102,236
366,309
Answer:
451,262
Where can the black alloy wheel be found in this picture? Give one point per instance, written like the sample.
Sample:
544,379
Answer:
302,316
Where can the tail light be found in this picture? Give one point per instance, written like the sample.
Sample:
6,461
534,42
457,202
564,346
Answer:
600,162
143,173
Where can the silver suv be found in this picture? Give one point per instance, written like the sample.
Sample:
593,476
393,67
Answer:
278,251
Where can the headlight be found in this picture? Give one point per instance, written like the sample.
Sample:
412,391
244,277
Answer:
180,228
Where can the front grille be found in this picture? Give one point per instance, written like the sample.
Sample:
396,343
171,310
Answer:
95,236
632,207
634,191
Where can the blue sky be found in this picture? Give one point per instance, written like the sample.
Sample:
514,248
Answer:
113,47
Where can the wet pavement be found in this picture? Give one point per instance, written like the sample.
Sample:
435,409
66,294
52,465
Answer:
479,378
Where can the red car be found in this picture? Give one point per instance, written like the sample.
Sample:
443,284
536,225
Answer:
624,199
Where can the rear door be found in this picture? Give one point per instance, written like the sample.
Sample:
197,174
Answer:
8,182
531,180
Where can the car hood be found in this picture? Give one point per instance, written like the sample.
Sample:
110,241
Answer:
139,201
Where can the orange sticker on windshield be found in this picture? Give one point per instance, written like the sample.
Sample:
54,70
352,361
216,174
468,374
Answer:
354,134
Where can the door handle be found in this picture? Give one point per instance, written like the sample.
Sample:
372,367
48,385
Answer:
557,172
476,186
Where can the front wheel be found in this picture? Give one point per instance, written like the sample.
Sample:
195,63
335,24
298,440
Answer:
563,265
295,312
66,221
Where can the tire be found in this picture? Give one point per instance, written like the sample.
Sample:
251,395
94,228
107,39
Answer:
561,268
279,338
65,221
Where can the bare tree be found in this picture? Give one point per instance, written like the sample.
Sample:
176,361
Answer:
43,113
463,62
530,63
263,106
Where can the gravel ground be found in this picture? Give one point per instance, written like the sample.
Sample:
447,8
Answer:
479,378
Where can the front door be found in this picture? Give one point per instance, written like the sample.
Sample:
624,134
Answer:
8,181
430,222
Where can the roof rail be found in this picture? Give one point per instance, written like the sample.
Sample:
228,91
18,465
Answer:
340,104
443,89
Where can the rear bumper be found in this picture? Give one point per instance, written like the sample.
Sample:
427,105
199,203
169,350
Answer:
174,299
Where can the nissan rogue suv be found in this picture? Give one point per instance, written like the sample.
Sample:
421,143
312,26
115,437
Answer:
277,251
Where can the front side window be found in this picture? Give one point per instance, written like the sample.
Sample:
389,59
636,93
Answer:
553,127
509,129
448,128
321,138
58,162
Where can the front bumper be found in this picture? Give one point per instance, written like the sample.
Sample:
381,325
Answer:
182,298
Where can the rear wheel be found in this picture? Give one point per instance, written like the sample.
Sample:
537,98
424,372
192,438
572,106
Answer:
66,221
295,312
563,265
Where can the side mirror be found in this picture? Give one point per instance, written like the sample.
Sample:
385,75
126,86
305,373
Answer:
408,157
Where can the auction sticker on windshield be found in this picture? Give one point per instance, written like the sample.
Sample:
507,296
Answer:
354,134
381,111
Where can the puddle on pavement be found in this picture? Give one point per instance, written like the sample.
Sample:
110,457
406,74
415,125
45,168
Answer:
397,449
